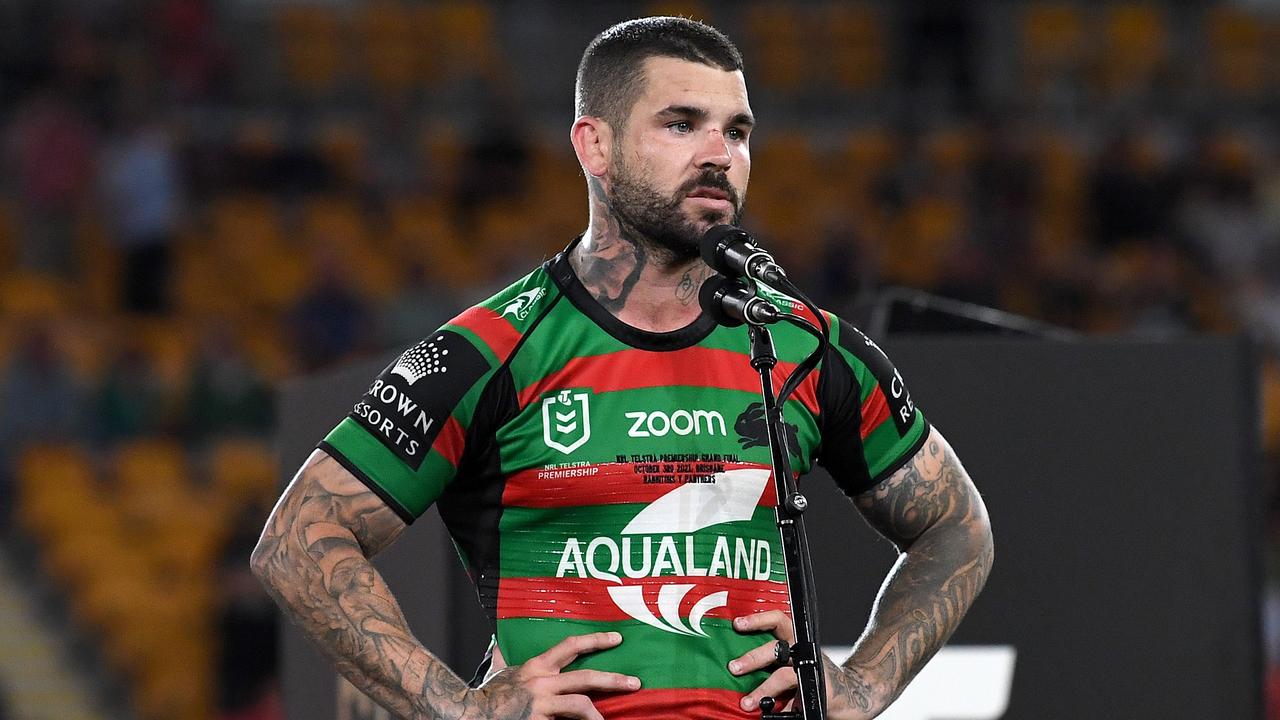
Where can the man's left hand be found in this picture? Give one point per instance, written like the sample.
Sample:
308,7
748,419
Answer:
850,695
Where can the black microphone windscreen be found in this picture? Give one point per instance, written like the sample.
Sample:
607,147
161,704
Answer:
714,240
711,299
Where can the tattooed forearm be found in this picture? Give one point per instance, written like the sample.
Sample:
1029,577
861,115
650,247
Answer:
933,513
313,559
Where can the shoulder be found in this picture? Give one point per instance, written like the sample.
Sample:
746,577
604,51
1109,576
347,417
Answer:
496,325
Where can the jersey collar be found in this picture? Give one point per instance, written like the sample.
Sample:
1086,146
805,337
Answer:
561,271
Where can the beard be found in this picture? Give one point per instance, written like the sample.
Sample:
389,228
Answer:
660,221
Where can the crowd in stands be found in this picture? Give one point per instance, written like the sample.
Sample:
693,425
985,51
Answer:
174,239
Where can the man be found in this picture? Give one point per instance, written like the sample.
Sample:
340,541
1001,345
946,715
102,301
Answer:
593,443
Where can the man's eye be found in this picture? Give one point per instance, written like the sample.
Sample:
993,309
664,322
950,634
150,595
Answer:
735,134
681,127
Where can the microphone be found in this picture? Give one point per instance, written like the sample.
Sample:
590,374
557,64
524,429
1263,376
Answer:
734,253
731,303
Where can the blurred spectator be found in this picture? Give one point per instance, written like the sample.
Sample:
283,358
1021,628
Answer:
394,168
1004,197
52,147
140,186
1131,192
940,40
189,50
330,321
134,400
424,303
495,166
262,162
1220,213
246,627
226,394
40,400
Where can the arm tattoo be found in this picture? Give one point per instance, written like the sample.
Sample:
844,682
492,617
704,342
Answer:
313,558
933,513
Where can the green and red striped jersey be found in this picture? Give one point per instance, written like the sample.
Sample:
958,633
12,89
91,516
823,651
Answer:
598,477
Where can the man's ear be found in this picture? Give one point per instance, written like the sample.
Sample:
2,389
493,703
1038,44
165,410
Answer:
592,140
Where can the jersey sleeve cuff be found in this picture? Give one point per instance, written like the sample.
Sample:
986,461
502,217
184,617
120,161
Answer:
897,465
369,482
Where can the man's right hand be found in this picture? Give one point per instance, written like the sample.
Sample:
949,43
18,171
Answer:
537,690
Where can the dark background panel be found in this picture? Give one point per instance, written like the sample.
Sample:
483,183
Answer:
1118,477
1116,474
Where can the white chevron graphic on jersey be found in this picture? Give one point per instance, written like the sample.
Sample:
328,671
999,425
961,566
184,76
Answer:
690,508
630,599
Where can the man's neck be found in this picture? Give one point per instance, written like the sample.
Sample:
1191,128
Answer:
641,286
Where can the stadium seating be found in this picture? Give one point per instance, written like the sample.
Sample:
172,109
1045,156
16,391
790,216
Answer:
312,42
1052,44
1135,49
1240,48
856,41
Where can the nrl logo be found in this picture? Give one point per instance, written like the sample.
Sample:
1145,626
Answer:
566,420
521,304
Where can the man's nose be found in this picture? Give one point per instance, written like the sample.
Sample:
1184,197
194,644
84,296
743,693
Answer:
714,151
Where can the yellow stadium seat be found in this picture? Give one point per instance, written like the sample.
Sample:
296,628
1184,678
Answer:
169,344
334,222
1052,42
27,294
266,342
922,241
78,556
176,686
342,144
201,287
146,464
389,41
55,482
98,274
423,231
312,42
243,471
88,344
59,467
114,600
949,150
463,33
855,45
867,154
1239,50
1135,47
777,44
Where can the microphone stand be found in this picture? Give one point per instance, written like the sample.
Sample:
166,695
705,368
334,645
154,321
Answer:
811,694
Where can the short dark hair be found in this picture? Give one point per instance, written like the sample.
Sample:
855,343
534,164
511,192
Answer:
611,77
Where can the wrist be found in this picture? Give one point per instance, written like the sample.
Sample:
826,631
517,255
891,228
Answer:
857,692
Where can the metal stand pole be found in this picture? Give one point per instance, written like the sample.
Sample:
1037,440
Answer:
811,681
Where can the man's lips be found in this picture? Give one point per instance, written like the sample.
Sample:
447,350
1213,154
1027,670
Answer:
709,193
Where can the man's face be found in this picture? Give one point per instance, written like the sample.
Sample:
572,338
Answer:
682,162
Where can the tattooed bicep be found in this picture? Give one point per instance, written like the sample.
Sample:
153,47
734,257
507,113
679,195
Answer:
324,495
931,487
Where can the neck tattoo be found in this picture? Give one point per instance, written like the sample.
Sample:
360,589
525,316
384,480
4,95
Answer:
610,259
690,283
